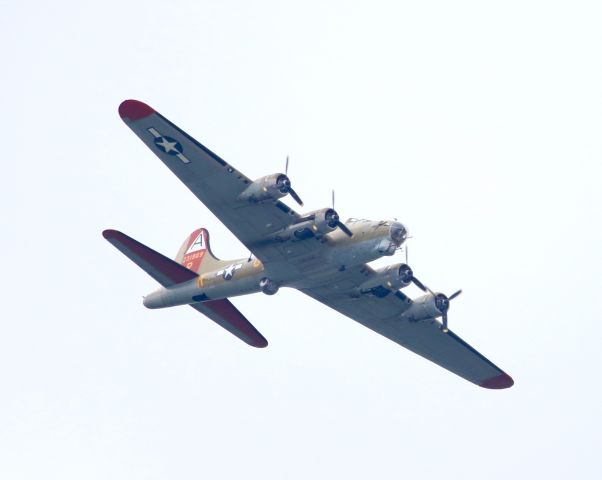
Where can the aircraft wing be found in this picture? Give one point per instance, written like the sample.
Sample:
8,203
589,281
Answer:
383,315
213,181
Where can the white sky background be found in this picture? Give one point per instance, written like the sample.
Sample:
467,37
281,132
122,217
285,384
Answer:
477,124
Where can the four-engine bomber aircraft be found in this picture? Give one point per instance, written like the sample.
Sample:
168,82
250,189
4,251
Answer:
315,253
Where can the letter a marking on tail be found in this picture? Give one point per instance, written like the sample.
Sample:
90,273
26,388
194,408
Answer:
198,244
195,252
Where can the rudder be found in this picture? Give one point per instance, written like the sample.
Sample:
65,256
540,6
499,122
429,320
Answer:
196,255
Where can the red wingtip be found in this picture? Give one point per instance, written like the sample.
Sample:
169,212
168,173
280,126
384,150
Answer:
260,343
503,380
109,233
134,110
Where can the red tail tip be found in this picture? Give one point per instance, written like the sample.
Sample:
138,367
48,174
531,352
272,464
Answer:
134,110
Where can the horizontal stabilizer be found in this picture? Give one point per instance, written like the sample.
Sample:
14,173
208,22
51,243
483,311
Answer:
228,316
169,273
164,270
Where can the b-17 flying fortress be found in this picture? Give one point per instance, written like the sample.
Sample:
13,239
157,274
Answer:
315,252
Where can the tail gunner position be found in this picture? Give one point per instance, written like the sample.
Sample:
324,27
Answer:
316,253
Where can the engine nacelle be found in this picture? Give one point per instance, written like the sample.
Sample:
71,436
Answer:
270,187
324,220
426,307
315,223
389,278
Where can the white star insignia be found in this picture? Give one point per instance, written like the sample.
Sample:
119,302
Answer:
228,272
167,146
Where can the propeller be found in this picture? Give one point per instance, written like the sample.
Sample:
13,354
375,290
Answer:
342,226
421,285
295,196
332,220
338,222
417,282
442,304
404,247
408,276
454,295
284,185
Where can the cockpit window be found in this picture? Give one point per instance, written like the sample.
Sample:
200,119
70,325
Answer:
398,233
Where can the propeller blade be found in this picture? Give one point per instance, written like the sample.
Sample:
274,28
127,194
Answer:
454,295
286,167
419,284
333,198
445,330
406,249
295,196
345,229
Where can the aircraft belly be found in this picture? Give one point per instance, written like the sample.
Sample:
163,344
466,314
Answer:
357,254
314,262
213,286
232,288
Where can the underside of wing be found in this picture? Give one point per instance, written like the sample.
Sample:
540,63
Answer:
384,314
213,181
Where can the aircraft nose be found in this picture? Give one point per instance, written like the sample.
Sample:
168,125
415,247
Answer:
398,233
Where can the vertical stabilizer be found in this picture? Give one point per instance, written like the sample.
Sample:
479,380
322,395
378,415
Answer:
196,255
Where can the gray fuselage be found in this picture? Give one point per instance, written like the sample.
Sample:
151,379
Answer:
370,241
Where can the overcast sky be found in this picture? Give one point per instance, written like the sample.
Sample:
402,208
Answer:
476,124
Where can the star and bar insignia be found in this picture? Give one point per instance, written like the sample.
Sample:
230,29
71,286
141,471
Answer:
168,145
